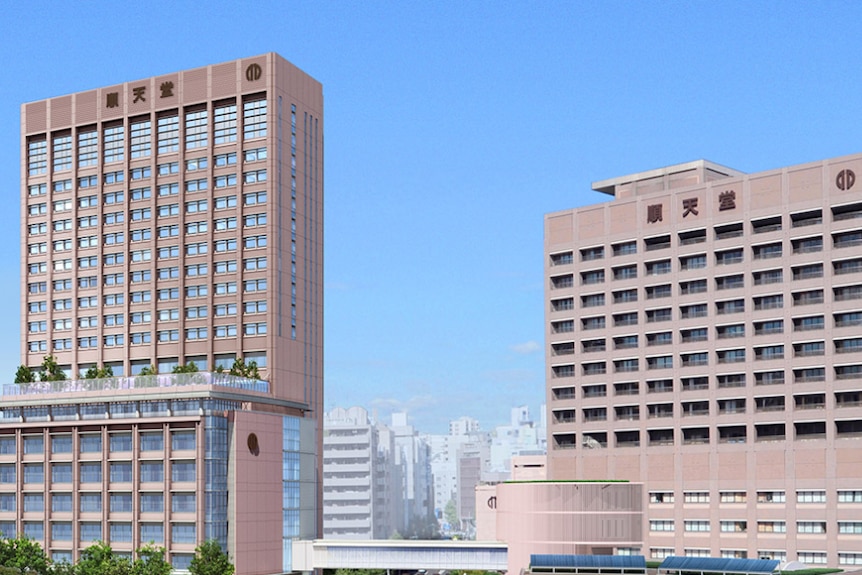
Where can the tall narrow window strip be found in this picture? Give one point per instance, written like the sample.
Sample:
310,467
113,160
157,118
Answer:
254,119
114,144
224,124
141,139
196,129
37,157
88,148
62,147
168,134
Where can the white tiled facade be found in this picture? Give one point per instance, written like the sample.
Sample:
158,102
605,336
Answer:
704,337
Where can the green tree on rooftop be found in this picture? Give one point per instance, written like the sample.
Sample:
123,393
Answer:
25,375
51,370
148,370
189,367
242,369
99,372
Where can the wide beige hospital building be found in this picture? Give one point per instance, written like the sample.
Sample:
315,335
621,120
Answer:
704,338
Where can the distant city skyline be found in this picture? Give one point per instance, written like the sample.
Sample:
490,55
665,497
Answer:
493,420
452,128
382,476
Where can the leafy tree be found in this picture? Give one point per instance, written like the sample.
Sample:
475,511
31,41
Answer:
190,367
24,555
149,370
420,527
450,513
99,559
51,370
62,568
242,369
24,375
209,559
99,372
151,561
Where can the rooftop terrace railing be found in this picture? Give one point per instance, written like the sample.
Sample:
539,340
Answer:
168,380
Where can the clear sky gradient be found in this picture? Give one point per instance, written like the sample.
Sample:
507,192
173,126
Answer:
450,129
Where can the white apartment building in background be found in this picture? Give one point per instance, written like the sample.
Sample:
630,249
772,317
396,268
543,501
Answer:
463,426
361,480
444,450
376,478
704,338
413,456
522,436
467,457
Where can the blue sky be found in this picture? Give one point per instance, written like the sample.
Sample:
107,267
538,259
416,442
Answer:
451,128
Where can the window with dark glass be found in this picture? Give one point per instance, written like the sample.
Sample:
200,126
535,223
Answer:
765,225
842,267
807,245
692,262
730,380
692,287
624,319
728,231
626,342
625,248
809,218
692,335
659,338
693,311
626,296
658,268
625,272
727,257
689,237
590,254
659,291
560,259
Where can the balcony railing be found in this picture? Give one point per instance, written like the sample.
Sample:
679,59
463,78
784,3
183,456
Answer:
134,382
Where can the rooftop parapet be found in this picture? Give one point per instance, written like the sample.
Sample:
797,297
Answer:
672,177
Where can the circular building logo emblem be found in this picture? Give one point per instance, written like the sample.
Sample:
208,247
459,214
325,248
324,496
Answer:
845,179
253,72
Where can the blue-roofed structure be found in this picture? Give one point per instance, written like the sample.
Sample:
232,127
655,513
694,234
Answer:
715,565
632,564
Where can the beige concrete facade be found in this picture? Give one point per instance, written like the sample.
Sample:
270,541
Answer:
165,221
704,337
173,460
529,468
178,218
560,517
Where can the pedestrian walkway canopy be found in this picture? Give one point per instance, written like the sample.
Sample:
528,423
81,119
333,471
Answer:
716,566
629,564
404,555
